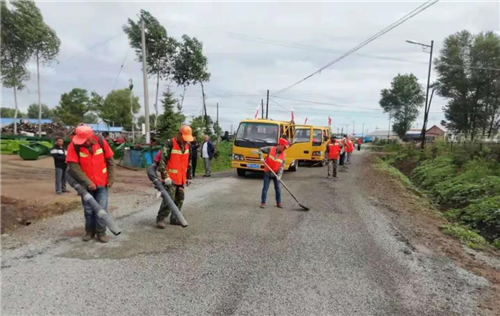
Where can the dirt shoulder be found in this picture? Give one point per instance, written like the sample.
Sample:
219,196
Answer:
28,193
419,221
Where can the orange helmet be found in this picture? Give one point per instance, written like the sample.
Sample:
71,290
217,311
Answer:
187,133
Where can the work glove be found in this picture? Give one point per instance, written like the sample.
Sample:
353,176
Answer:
167,182
188,182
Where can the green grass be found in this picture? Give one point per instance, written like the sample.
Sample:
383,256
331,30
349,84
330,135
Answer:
467,237
222,160
385,166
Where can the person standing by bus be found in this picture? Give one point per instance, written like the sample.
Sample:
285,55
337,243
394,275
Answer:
274,161
333,150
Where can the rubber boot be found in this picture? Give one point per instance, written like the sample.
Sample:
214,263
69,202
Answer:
161,224
89,235
102,237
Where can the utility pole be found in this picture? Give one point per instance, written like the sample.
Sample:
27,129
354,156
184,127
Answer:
218,129
389,131
353,127
262,108
342,131
39,98
427,104
145,81
131,86
267,106
363,131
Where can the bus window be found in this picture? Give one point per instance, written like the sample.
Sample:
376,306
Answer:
302,135
317,137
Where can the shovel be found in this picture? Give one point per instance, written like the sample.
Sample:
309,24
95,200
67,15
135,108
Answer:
284,185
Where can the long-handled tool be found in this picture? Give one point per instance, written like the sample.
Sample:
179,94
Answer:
151,171
96,207
284,185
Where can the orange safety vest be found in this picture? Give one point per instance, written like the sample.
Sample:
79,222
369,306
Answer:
93,165
274,161
178,163
333,150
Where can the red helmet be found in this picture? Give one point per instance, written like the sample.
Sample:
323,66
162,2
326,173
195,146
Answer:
283,142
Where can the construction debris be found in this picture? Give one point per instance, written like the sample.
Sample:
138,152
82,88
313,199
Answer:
53,129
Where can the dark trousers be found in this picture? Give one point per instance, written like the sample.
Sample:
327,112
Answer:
277,188
342,159
194,162
359,147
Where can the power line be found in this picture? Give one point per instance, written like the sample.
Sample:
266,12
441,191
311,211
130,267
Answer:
119,71
92,47
408,16
332,104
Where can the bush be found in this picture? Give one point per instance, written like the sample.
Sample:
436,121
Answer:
460,191
483,215
431,172
470,238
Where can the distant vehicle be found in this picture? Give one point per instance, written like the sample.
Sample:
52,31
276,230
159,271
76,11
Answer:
256,133
314,140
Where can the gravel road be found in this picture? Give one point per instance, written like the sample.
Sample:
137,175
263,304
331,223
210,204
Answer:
343,257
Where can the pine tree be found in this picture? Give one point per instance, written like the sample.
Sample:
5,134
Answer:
172,118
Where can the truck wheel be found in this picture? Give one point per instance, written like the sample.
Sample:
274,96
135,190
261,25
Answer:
294,166
241,172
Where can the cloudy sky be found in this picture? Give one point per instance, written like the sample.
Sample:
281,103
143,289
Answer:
255,46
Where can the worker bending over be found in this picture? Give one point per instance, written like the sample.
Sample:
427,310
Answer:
274,161
90,161
333,149
174,167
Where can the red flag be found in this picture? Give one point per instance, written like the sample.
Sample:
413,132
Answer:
293,116
329,121
305,123
257,112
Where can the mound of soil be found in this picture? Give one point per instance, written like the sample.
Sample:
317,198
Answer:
16,212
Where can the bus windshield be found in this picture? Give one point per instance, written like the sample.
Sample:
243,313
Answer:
256,135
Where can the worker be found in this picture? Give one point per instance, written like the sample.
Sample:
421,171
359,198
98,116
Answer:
175,170
343,152
58,152
333,150
275,161
194,155
350,149
90,161
360,141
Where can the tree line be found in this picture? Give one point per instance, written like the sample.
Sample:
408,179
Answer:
25,37
468,76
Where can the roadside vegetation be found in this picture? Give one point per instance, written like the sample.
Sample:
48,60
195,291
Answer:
222,159
463,180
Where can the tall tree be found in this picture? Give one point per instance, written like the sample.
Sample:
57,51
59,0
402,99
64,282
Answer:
42,40
160,48
172,118
466,77
73,106
191,67
402,102
15,52
115,109
33,110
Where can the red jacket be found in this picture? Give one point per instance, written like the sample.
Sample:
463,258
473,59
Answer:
93,165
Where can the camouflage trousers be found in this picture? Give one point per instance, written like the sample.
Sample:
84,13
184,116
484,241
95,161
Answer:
176,192
332,167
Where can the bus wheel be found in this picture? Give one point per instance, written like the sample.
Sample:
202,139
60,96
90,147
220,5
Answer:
294,166
241,172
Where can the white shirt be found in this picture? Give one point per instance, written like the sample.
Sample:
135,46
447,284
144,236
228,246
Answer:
204,150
